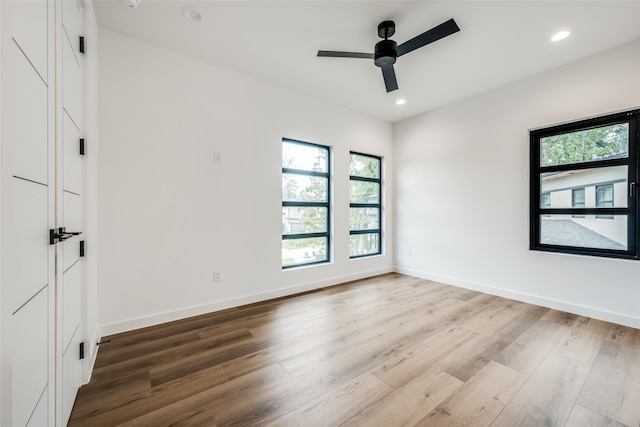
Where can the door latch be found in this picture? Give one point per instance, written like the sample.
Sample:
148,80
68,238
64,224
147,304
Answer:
61,235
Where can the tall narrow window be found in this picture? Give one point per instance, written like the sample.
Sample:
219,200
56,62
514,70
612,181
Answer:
305,203
365,197
589,169
604,196
604,199
546,200
577,200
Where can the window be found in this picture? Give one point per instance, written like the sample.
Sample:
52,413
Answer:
546,200
365,193
305,203
577,200
604,199
584,198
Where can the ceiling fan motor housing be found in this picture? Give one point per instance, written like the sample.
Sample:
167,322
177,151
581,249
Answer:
385,53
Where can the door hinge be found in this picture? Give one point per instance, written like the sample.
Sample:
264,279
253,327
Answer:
82,350
82,146
81,44
81,248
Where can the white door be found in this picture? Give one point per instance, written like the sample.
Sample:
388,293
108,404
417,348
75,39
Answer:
41,183
69,207
27,213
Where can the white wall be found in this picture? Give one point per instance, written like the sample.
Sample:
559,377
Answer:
169,216
462,191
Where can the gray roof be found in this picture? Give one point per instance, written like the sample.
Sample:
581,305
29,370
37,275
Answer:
567,232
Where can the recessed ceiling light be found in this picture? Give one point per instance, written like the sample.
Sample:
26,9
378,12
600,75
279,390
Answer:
560,35
191,14
400,101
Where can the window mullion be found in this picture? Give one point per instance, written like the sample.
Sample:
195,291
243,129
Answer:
306,204
585,211
364,179
366,231
303,172
365,205
585,165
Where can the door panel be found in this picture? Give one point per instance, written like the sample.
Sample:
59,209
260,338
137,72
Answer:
70,291
25,245
70,250
26,119
73,222
70,209
71,304
29,28
40,415
71,83
30,361
71,374
27,202
71,22
72,161
71,297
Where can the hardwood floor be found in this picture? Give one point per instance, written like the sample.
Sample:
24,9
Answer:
387,351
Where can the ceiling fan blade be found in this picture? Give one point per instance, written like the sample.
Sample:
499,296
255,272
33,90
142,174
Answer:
389,76
334,54
436,33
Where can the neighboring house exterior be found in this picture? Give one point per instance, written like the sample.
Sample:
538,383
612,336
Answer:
291,223
586,188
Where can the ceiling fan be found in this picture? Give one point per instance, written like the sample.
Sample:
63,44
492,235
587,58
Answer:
386,51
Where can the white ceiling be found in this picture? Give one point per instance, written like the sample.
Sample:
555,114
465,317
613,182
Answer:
277,41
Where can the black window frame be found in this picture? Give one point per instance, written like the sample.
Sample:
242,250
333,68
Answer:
377,205
325,204
632,161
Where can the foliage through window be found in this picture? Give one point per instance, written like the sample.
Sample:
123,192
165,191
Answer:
584,197
365,182
305,203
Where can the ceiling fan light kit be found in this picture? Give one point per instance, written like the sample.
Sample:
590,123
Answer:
387,51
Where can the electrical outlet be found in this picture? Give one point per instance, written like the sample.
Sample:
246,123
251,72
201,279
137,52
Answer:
217,158
217,276
408,252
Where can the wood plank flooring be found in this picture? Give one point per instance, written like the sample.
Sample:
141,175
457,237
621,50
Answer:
391,350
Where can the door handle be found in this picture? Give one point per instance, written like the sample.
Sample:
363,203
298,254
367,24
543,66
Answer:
61,235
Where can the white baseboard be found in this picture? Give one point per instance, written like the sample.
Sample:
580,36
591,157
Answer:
156,319
595,313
